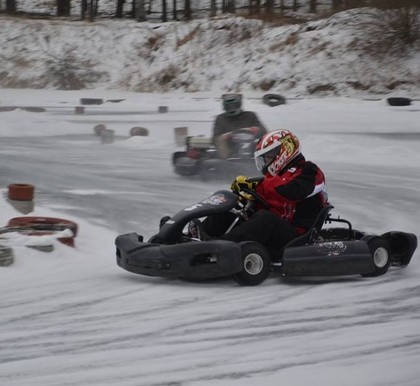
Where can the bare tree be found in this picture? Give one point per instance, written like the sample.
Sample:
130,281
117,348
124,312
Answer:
141,11
228,6
254,7
174,10
213,8
133,8
281,7
63,7
93,9
164,11
83,9
10,6
119,10
187,9
269,6
336,5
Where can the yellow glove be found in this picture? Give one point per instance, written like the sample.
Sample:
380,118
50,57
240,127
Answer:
243,197
242,182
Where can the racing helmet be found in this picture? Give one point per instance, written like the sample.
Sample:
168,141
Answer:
275,151
232,103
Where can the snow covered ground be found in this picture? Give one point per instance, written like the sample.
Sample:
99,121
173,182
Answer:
73,317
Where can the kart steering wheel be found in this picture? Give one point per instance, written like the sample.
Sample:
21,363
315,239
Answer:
256,196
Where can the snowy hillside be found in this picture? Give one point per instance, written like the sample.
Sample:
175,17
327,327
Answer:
316,58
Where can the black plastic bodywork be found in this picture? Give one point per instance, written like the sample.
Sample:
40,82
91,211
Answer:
193,260
328,258
219,202
320,252
167,255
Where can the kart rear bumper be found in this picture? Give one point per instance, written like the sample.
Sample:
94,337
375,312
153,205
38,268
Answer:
193,260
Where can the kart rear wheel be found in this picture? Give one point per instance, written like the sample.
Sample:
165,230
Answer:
256,264
381,256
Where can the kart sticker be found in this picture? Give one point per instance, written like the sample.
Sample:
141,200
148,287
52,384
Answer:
216,199
334,248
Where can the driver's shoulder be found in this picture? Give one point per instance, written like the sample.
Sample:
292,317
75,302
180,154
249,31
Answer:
249,113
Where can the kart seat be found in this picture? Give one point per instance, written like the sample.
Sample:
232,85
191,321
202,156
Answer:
311,235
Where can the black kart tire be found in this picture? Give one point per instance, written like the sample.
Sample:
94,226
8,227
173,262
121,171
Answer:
91,101
185,166
274,100
6,256
381,256
256,264
98,129
399,101
139,131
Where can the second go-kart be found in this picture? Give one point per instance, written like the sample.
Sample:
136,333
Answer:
202,159
322,251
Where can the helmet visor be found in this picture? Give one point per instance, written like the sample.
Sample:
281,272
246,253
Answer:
232,102
264,157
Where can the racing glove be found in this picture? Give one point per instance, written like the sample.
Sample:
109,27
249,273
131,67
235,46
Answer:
242,182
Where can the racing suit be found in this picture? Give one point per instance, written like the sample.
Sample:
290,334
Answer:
295,197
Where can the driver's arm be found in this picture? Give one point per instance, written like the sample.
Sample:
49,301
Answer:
262,129
219,128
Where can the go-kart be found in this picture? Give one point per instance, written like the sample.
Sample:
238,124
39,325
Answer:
322,251
201,157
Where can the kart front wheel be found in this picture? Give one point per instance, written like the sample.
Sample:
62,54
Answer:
381,256
256,264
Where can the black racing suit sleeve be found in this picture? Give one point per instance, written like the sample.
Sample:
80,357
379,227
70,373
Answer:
301,186
298,190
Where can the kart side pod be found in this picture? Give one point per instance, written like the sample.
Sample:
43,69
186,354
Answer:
327,259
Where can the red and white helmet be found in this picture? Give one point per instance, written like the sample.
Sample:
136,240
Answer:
275,151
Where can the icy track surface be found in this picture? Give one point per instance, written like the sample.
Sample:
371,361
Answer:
72,317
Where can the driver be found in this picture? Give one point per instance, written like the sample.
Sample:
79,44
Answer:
293,189
234,118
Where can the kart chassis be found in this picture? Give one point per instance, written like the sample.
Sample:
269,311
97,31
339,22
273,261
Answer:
322,251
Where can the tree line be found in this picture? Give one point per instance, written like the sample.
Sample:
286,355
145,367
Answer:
184,9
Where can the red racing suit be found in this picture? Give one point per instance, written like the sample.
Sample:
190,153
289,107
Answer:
297,195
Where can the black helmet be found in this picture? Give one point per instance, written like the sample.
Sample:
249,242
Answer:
232,103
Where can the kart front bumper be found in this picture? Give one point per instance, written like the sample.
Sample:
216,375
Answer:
192,260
